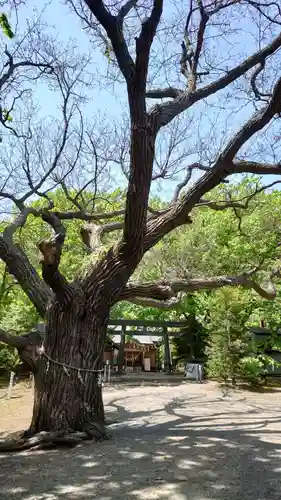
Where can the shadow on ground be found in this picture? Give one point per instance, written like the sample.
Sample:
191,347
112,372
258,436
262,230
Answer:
189,447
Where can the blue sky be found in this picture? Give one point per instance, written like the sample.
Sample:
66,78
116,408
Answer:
110,101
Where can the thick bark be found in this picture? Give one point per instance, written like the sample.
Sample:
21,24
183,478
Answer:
67,368
68,393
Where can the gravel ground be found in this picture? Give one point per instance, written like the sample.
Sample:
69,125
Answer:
175,442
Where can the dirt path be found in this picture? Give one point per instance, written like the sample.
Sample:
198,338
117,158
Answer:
183,442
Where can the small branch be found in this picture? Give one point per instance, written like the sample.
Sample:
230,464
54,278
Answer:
88,217
165,305
182,184
258,70
92,233
167,111
204,18
21,64
18,222
187,178
169,92
241,203
190,59
114,29
125,9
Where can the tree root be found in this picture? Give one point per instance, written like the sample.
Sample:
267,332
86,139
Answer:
47,440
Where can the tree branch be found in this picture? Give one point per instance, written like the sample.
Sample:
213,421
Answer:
187,178
240,203
170,92
92,233
224,166
20,267
51,251
166,112
143,45
13,340
114,29
125,9
88,217
165,294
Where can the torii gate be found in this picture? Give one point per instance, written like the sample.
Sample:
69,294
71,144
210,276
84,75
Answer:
143,329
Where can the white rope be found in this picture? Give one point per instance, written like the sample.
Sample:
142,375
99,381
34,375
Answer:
70,366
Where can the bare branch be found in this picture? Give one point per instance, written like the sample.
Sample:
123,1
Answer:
224,166
164,294
51,251
113,28
88,217
12,67
169,92
165,305
256,168
143,46
125,9
223,204
20,267
166,112
18,222
187,178
92,233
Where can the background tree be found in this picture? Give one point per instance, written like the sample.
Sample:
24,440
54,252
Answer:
229,343
41,153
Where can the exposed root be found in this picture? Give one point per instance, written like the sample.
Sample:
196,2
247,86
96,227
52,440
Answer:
96,430
93,431
44,440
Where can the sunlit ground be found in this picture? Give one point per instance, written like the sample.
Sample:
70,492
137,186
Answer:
175,442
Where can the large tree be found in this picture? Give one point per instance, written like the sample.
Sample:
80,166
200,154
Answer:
219,53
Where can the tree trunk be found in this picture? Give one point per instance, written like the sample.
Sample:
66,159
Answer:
68,392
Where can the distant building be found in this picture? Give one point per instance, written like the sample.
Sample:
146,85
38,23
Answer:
139,355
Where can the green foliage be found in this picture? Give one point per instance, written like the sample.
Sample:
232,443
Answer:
213,244
254,368
229,341
9,359
6,27
191,344
6,116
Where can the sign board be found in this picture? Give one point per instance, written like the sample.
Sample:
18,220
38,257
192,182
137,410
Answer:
193,371
146,364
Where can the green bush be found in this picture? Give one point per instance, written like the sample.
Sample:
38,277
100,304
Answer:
252,369
9,359
228,337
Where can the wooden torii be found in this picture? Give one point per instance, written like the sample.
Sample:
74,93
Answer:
144,328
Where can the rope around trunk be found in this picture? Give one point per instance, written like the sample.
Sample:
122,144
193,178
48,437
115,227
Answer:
93,430
67,367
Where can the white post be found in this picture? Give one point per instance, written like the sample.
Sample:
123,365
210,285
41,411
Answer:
109,374
11,383
104,374
32,382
